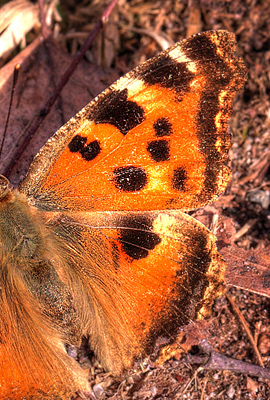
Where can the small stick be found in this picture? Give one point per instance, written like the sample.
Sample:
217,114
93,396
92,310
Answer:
217,361
14,83
246,327
45,31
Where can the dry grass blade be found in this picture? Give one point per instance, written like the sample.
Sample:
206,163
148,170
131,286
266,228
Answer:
17,18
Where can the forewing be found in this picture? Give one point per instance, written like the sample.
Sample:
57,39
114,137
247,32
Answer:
156,139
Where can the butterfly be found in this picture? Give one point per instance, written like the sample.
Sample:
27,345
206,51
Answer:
95,241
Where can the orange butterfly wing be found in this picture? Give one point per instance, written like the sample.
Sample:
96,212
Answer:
156,139
88,253
137,276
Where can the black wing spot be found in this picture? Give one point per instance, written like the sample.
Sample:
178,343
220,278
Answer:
114,108
167,72
163,127
130,179
179,179
77,144
137,238
159,150
89,152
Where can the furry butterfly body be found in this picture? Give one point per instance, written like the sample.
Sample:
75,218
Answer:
94,242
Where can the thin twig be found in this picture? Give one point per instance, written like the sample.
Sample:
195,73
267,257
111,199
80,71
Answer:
217,361
14,83
246,327
45,31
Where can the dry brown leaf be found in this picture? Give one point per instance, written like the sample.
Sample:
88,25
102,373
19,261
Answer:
248,269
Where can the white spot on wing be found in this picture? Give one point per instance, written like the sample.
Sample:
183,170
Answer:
176,54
